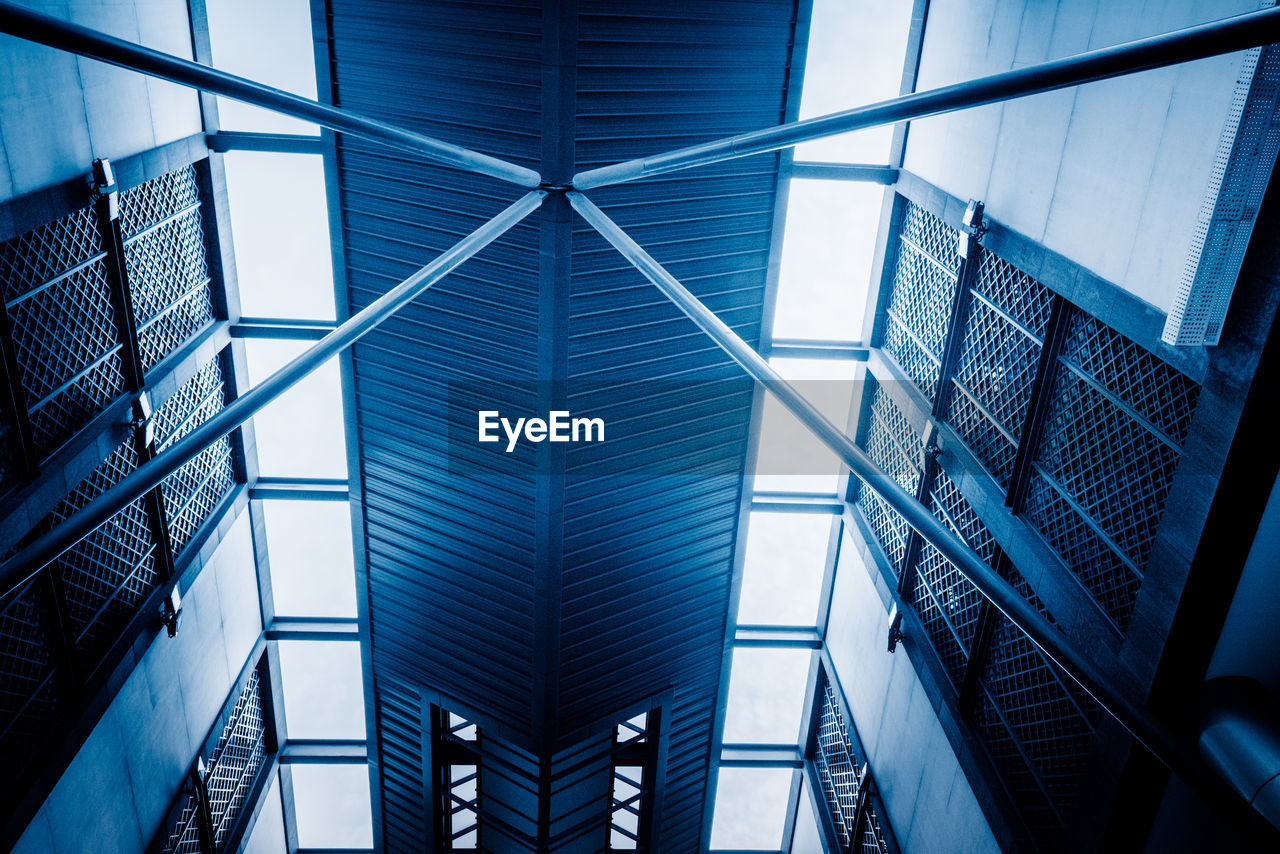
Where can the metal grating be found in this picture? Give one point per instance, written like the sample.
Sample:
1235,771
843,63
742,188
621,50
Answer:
159,199
947,602
1004,331
842,775
64,336
1038,725
108,573
193,491
920,297
166,262
1160,394
1112,441
894,446
226,780
27,673
235,760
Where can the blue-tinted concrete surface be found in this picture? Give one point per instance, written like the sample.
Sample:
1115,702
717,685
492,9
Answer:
929,802
58,111
1111,174
115,793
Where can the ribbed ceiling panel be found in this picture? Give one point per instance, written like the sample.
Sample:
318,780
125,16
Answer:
548,607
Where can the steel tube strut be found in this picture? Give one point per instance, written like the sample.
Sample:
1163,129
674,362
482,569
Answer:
47,547
1001,593
26,24
1225,36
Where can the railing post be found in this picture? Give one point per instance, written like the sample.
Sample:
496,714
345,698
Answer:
106,205
1041,388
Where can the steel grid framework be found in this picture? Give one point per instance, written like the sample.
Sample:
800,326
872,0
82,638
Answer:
1226,36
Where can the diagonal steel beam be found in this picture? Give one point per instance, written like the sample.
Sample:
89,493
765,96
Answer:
1218,37
1169,750
33,26
25,563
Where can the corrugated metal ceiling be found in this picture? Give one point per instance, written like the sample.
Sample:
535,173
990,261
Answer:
552,593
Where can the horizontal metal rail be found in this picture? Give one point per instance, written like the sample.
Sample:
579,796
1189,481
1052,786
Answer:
1002,594
1226,36
33,26
45,548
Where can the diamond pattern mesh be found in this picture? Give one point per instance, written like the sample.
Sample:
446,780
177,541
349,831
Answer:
108,573
193,491
1039,727
157,200
64,336
894,447
32,259
924,285
169,281
27,698
1107,459
948,604
1003,335
233,765
1159,393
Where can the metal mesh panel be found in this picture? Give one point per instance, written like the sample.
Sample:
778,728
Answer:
185,836
64,336
1047,719
159,199
892,445
1020,296
107,574
992,447
228,777
839,770
1159,393
920,298
1003,335
27,689
38,256
169,280
841,774
193,491
947,602
1111,582
235,760
1115,471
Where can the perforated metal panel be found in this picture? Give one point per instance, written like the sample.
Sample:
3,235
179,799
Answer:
1112,441
165,256
1242,166
920,298
193,491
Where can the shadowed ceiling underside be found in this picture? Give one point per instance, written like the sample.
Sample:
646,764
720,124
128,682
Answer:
549,594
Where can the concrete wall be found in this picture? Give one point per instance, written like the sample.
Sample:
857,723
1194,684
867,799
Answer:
115,793
58,112
930,803
1110,174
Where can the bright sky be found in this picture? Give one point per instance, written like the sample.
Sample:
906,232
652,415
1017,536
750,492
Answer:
280,232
